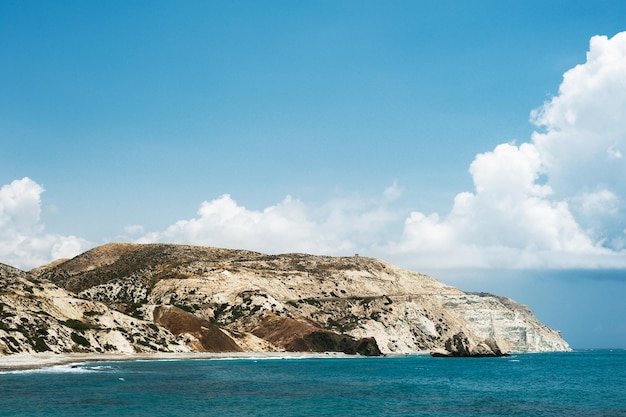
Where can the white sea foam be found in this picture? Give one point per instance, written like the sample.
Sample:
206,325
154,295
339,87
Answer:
57,369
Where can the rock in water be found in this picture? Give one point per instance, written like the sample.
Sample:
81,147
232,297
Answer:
461,345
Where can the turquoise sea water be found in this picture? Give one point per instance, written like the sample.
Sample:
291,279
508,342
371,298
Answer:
582,383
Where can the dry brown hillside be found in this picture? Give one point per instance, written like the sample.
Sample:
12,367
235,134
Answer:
352,298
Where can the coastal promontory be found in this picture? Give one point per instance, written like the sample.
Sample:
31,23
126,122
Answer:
137,298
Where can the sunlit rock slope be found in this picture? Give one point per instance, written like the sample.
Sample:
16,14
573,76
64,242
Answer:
198,298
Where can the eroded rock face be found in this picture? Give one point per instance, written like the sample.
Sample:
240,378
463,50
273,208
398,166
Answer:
513,326
460,345
303,336
204,336
341,298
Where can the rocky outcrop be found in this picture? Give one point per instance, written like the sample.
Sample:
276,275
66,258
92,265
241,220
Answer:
460,345
513,326
38,316
199,298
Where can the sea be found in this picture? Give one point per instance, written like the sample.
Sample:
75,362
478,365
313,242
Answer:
579,383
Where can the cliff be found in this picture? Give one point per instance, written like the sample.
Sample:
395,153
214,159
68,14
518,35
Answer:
177,298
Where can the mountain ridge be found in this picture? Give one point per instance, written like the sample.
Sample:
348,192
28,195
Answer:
331,303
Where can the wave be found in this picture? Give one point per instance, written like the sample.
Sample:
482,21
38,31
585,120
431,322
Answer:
70,368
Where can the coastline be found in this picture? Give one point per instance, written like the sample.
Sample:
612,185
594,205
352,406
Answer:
396,384
29,361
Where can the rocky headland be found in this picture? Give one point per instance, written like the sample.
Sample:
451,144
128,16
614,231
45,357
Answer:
141,299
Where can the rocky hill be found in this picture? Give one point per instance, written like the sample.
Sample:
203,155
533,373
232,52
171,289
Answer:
38,316
127,297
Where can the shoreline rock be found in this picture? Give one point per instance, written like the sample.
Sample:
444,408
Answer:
461,345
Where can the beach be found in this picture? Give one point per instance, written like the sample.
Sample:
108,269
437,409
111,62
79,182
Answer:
23,361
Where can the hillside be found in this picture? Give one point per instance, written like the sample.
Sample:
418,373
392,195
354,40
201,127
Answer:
212,299
38,316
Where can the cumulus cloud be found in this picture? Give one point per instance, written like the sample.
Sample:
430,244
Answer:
222,222
556,201
23,241
583,136
340,226
509,221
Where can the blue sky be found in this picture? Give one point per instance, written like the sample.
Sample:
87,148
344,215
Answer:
440,136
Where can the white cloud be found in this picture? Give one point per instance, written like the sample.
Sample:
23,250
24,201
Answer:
554,202
583,128
222,222
512,219
340,226
20,206
134,229
584,136
23,242
508,222
558,201
614,153
393,192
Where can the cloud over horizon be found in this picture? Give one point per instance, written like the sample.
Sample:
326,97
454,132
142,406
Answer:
340,226
557,201
23,241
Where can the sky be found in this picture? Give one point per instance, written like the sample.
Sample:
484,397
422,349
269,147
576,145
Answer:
483,142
